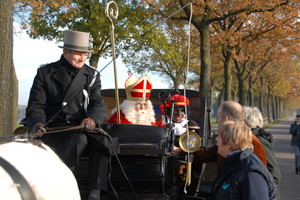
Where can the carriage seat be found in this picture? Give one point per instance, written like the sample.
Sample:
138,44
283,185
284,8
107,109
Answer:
139,139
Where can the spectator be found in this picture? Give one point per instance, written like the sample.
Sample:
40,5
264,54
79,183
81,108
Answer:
295,142
233,111
254,119
242,174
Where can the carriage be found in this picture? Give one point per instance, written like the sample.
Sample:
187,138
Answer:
144,165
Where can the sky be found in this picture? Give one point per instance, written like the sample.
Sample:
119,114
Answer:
29,54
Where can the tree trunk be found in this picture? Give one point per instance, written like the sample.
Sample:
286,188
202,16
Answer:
205,74
205,70
281,109
242,92
94,60
261,96
15,97
269,104
250,93
8,86
228,76
220,97
273,100
277,108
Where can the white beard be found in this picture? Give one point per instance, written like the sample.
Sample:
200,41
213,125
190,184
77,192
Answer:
142,117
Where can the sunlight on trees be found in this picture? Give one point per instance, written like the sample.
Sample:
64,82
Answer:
238,48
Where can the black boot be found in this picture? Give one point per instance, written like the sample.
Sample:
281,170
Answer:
297,170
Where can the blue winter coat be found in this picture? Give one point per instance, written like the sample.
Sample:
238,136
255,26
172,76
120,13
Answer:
243,177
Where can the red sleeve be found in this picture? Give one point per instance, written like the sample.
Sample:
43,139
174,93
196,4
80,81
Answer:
207,155
113,119
258,150
159,123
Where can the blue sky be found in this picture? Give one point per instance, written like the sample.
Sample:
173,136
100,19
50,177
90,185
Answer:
29,54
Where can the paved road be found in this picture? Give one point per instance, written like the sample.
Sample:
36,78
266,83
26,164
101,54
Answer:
290,183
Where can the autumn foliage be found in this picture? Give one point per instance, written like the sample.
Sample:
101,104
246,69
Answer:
246,51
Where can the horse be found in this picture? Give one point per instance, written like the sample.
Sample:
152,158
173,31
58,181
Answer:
30,170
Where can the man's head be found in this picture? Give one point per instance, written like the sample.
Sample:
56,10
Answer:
138,112
230,110
138,109
75,58
298,119
233,136
253,117
76,47
180,102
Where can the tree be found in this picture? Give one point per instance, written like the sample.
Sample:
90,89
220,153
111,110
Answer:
9,83
48,20
280,83
204,14
236,32
166,55
134,23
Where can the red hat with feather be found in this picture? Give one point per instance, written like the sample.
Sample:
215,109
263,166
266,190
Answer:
179,100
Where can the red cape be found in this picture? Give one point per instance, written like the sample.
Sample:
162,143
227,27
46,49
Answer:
113,119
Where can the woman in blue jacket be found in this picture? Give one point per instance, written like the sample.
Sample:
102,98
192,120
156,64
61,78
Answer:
242,174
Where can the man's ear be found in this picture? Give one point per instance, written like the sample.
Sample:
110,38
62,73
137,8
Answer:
226,118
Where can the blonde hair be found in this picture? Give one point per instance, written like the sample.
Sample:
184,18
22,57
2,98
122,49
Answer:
237,134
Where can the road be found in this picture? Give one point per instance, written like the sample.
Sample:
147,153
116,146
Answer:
290,183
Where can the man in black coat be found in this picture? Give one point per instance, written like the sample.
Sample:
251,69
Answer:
68,93
295,142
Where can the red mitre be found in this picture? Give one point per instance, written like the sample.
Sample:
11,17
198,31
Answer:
180,101
138,89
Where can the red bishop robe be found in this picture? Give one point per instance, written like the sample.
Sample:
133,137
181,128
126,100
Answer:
114,119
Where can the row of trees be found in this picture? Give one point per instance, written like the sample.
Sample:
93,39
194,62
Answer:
246,51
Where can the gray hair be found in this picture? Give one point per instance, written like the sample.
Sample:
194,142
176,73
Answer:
253,117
